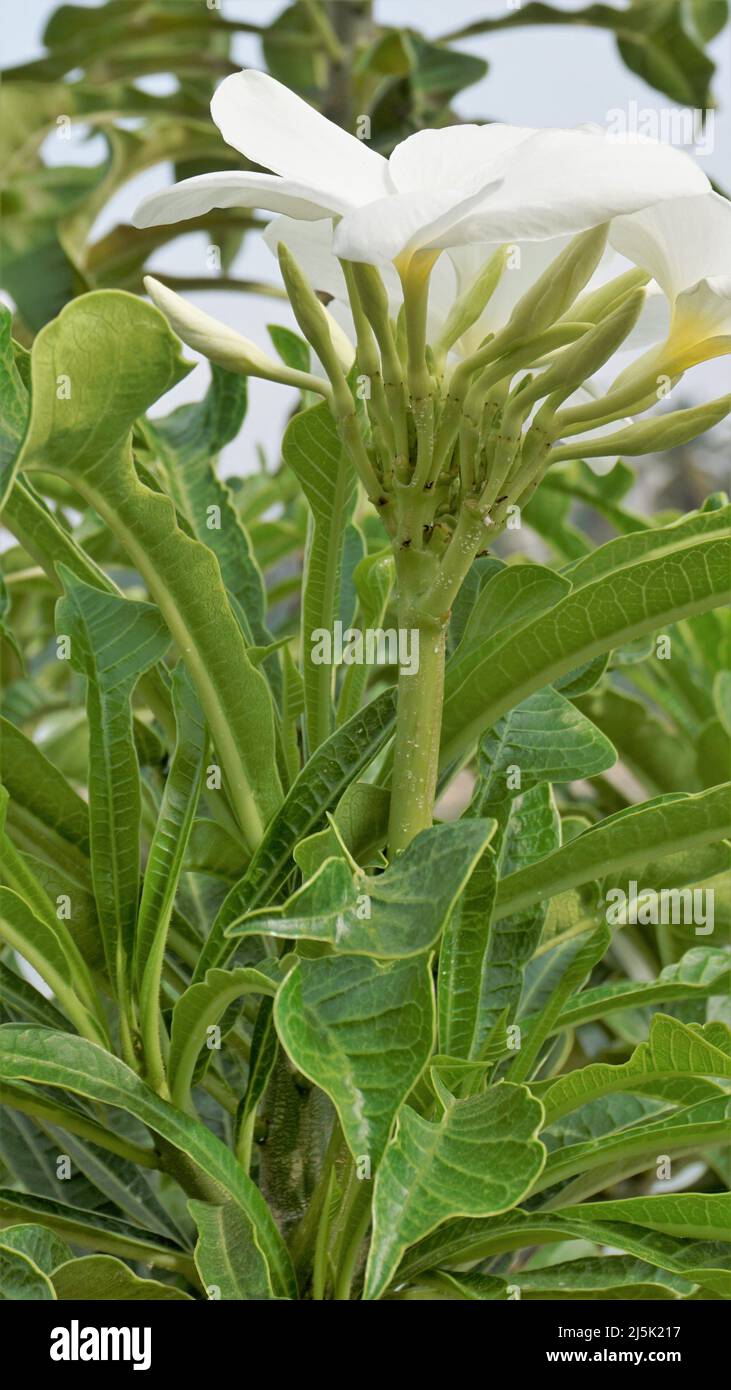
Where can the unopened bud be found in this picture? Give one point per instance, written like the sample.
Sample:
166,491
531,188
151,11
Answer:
577,363
467,309
223,345
315,323
596,305
648,436
556,289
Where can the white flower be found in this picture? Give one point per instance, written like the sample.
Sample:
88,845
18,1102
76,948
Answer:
439,188
685,244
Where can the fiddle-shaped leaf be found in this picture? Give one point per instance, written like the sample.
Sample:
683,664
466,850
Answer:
398,913
480,1158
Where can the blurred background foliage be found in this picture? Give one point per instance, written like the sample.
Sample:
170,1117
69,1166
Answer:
333,52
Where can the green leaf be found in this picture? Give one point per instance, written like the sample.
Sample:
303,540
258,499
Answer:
52,952
20,1277
646,741
186,443
616,1277
223,1254
655,40
634,837
14,399
548,740
682,1233
602,1162
182,575
55,1059
43,798
44,1248
480,1158
198,1008
722,698
700,973
672,1050
590,949
312,449
506,600
96,1230
634,585
165,861
482,960
394,914
373,577
321,782
112,642
100,1278
362,1031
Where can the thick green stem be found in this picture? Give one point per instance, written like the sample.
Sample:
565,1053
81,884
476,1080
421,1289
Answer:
418,727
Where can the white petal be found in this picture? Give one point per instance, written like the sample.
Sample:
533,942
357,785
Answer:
705,310
194,197
275,128
564,181
380,231
679,242
311,245
446,158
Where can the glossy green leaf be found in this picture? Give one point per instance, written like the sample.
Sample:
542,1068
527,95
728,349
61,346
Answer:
362,1031
102,1278
673,1049
312,449
480,1158
182,576
54,1059
394,914
112,642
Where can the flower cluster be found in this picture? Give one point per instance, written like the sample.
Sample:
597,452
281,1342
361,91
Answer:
472,311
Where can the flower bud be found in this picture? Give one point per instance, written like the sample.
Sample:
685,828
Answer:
223,345
649,436
596,305
315,323
577,363
556,289
467,309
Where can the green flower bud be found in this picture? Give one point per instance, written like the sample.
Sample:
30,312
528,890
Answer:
577,363
556,289
373,296
315,324
467,309
649,436
596,305
223,345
